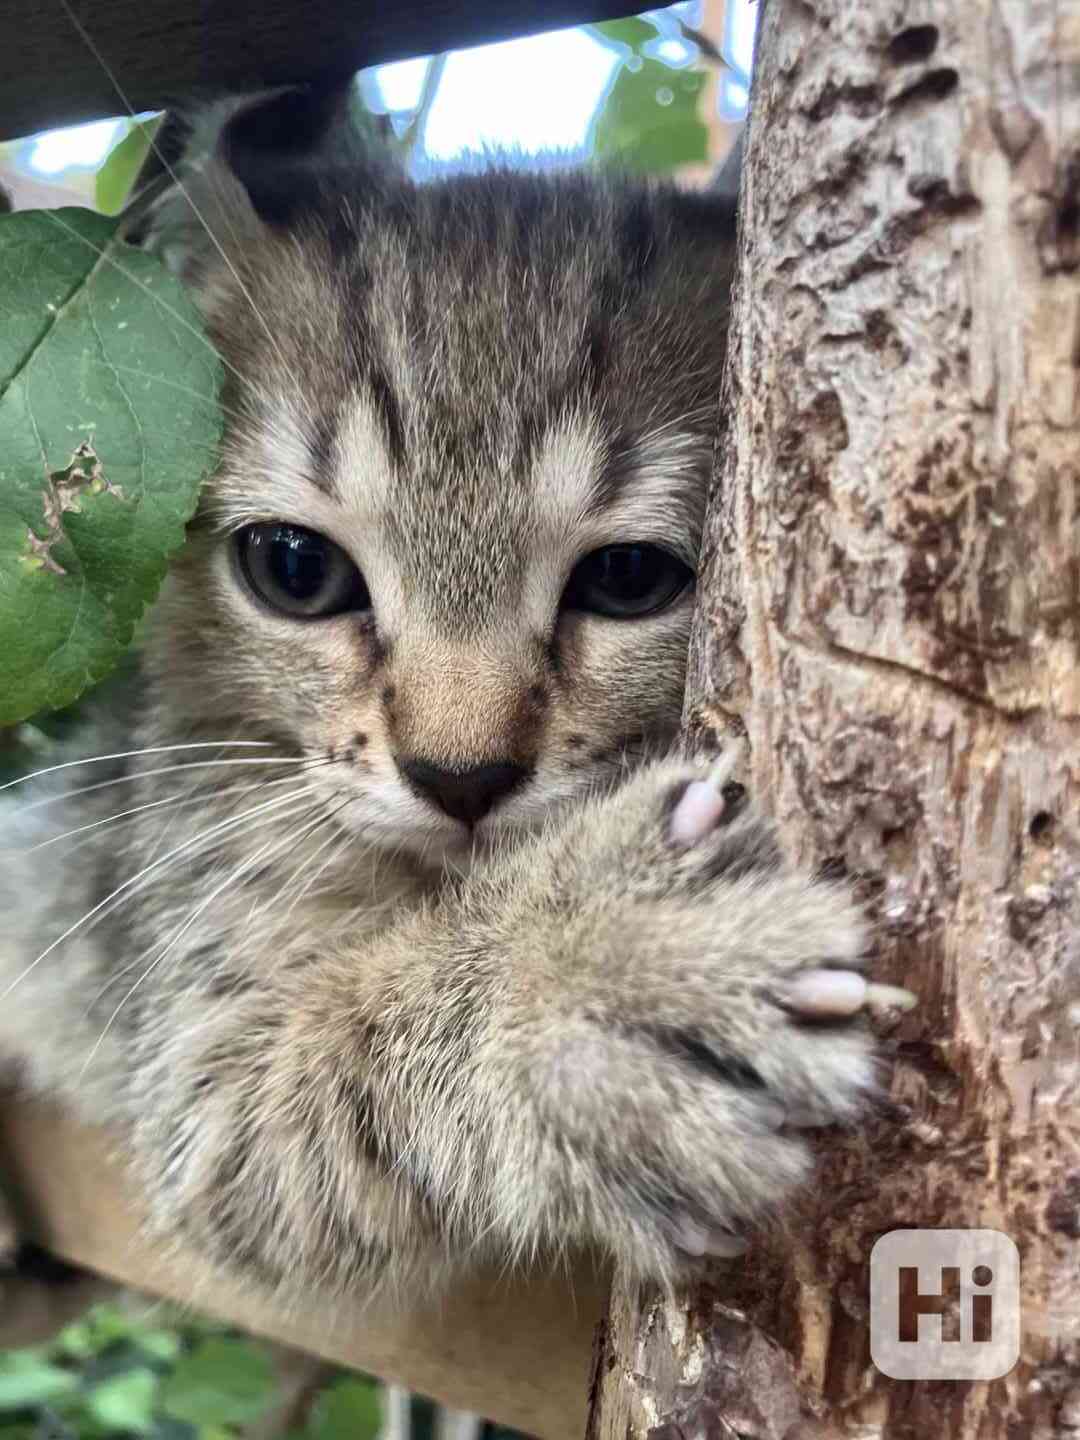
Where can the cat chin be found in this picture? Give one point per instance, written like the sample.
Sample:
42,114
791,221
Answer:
456,851
434,850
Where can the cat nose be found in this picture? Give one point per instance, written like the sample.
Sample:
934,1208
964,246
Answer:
466,795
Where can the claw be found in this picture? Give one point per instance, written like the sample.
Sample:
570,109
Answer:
886,997
701,806
824,993
828,994
700,1240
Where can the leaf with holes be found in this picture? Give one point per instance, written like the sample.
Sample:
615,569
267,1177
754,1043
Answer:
109,421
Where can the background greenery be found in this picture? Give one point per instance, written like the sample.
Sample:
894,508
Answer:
132,1369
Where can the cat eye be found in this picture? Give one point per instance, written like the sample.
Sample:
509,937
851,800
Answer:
300,572
624,582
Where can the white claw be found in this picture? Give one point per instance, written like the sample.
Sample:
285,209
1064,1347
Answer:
701,806
700,1240
690,1236
890,997
723,1245
698,812
825,993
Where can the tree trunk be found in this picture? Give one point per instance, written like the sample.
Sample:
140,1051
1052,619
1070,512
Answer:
891,615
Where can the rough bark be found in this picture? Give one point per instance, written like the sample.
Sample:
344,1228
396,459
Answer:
891,616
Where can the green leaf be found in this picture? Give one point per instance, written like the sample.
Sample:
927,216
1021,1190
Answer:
348,1410
109,421
632,32
161,1344
650,119
100,1327
26,1379
222,1382
77,1341
126,1402
121,166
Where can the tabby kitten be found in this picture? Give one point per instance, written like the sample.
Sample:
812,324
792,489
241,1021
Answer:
428,972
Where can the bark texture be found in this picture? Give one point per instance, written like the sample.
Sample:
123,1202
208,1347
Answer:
891,616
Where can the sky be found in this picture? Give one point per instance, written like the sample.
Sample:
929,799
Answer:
493,95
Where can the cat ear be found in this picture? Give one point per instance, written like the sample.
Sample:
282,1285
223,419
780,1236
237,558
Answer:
287,148
243,165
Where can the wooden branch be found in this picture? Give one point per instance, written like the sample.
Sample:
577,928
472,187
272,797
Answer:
162,51
513,1350
890,614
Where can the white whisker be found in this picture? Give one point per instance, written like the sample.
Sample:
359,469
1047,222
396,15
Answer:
141,875
301,810
103,255
343,841
88,41
234,875
128,754
183,799
177,385
299,765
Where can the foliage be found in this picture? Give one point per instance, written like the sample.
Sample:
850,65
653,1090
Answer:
650,119
349,1410
108,423
221,1382
121,166
118,1373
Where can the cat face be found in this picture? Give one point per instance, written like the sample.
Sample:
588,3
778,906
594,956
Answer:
452,541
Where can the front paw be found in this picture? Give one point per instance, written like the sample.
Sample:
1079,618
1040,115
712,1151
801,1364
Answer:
718,1011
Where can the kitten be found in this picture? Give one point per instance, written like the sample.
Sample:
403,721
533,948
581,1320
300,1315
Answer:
428,977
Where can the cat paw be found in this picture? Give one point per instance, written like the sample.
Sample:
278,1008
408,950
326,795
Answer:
721,1013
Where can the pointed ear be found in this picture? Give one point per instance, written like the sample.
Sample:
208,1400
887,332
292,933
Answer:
285,147
250,163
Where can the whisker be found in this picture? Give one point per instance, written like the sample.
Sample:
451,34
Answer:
119,974
178,934
199,795
103,255
95,825
183,799
141,875
127,755
177,385
345,841
88,41
307,864
299,765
